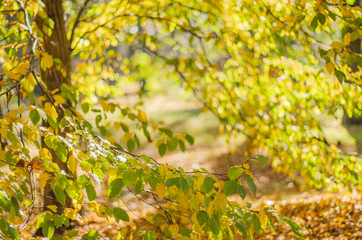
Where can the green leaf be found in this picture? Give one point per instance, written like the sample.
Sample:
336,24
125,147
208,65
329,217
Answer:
53,122
14,139
72,233
256,223
59,194
14,211
162,149
130,145
91,192
153,181
271,224
120,214
314,23
167,131
98,119
190,139
208,185
50,141
34,116
92,235
321,18
184,185
115,188
85,107
185,232
124,127
172,144
138,187
250,183
279,218
241,227
59,220
340,75
241,191
230,187
61,151
4,203
40,221
350,2
146,158
214,225
172,181
48,229
182,145
202,217
90,163
296,229
261,159
129,178
234,173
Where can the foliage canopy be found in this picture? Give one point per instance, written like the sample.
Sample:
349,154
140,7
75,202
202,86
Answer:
266,69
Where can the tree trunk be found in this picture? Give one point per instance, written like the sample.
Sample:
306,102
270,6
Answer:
355,47
56,45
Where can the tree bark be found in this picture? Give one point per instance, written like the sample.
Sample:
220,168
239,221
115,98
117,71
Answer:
57,45
354,46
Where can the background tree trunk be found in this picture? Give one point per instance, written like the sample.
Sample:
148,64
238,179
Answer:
352,123
354,46
56,45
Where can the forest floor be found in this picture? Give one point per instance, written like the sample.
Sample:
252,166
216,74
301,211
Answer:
326,215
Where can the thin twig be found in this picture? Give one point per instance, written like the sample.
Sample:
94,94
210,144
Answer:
77,20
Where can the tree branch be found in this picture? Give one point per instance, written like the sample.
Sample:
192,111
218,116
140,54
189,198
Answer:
77,20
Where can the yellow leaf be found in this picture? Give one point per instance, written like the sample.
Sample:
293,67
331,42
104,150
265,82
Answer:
17,220
122,233
263,220
251,232
20,109
43,178
220,202
104,104
4,131
194,204
117,125
127,136
59,100
70,213
347,38
337,45
92,206
142,116
183,199
72,163
111,139
12,115
41,99
246,166
47,60
2,155
77,204
174,230
163,170
161,190
43,152
99,209
50,110
330,67
53,208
